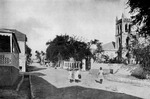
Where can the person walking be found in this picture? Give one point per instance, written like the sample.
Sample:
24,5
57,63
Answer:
100,75
77,75
71,75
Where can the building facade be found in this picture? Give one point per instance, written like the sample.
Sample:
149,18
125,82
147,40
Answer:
21,39
9,58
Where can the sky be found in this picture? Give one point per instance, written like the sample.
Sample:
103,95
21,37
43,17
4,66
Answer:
42,20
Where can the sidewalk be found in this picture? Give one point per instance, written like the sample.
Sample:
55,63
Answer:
50,81
111,84
129,80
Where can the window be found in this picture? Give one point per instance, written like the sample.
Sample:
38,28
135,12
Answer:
14,46
4,43
118,30
127,42
130,28
126,27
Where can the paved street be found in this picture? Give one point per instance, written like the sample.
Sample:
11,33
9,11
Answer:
50,83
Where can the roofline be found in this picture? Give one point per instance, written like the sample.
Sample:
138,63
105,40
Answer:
15,31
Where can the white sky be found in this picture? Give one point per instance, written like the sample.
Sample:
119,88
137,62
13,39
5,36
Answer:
42,20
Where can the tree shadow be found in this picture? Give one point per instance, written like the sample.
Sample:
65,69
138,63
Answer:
37,74
45,90
34,68
14,86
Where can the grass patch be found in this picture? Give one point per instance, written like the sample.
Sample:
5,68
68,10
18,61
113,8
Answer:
23,93
24,90
14,86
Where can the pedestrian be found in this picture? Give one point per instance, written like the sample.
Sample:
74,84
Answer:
77,76
100,75
71,78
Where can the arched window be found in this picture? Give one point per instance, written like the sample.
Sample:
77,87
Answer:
119,43
126,27
118,30
129,27
127,42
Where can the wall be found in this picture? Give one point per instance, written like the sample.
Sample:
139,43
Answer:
22,56
106,67
110,53
8,75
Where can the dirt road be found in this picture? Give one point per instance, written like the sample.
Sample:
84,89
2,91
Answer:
50,83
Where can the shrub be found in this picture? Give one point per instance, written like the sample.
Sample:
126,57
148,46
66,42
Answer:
139,73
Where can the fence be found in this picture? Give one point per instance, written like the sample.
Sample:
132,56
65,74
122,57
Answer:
9,59
71,65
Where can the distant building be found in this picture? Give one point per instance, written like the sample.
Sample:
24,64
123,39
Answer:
22,39
110,50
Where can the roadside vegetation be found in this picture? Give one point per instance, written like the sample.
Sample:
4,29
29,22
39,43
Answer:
64,47
140,47
15,91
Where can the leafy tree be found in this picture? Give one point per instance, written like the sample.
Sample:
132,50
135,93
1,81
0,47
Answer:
37,54
95,41
98,49
79,49
28,53
140,10
58,48
64,47
142,56
106,58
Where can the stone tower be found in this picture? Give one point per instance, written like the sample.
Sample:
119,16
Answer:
123,29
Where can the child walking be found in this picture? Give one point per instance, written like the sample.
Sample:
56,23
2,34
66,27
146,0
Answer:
71,75
77,76
100,75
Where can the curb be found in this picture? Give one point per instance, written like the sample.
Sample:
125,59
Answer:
125,80
18,87
31,88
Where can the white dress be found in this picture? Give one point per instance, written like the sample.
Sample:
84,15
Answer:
70,75
100,74
76,75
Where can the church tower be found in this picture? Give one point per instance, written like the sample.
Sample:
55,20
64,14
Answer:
123,29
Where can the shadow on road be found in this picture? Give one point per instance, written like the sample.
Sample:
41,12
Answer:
37,74
45,90
14,86
34,68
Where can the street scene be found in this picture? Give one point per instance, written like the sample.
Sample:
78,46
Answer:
74,49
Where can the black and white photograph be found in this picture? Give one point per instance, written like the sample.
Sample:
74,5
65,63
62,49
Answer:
74,49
